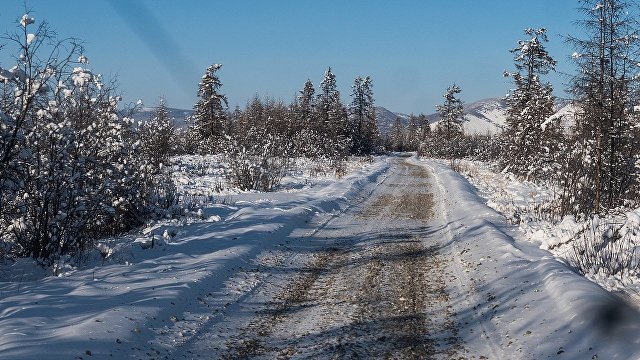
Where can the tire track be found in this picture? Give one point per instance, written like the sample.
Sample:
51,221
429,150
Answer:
378,291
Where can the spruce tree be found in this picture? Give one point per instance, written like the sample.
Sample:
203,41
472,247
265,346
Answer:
529,140
371,133
411,135
304,111
365,135
307,104
424,137
449,128
397,136
331,119
210,111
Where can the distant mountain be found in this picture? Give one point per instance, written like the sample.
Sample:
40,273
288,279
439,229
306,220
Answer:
386,119
567,111
481,117
490,115
485,116
179,115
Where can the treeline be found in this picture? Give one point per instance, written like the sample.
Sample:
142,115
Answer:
316,125
261,140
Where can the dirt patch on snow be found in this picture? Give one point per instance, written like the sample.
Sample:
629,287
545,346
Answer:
378,292
404,200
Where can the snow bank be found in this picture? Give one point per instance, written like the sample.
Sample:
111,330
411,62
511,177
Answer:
517,300
202,178
614,264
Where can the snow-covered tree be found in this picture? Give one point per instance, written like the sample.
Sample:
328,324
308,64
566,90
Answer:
398,134
365,135
158,135
424,134
210,116
331,121
411,134
307,104
602,171
531,138
449,129
308,133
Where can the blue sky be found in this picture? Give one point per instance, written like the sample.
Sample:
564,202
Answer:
413,50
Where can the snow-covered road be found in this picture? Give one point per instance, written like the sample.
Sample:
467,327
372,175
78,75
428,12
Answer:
371,283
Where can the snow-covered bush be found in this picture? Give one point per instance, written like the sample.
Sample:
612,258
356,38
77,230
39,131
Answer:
261,146
71,169
607,247
603,248
257,167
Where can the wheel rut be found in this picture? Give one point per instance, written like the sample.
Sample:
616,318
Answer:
376,290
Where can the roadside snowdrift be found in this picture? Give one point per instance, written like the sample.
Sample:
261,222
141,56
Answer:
606,249
524,303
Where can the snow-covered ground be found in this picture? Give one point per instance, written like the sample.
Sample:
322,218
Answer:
159,290
517,301
527,205
154,284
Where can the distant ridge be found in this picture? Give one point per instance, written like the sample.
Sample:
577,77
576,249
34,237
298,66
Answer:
386,118
481,117
489,116
179,115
